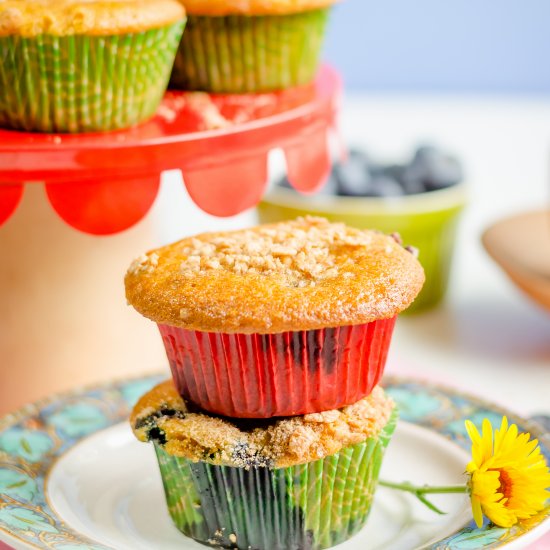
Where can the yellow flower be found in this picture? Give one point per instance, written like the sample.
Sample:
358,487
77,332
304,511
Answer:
509,477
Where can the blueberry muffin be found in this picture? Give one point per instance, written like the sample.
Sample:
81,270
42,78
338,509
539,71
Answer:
302,483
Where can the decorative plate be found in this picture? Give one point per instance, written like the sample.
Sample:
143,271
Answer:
72,476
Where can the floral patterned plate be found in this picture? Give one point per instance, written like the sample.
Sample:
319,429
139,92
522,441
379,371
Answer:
72,476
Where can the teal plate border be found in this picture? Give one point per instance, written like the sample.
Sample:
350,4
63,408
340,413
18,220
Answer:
32,439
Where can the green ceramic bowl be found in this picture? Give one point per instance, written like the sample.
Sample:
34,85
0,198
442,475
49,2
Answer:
427,221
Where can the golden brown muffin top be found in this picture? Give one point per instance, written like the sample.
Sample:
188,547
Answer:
90,17
162,416
253,7
298,275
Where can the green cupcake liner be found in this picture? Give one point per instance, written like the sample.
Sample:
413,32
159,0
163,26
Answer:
84,83
238,53
309,506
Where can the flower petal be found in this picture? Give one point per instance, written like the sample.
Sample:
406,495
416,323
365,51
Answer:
486,440
476,511
476,442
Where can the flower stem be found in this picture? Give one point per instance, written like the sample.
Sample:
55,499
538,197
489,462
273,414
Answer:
420,491
424,489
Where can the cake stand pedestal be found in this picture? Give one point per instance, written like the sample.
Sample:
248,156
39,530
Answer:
63,317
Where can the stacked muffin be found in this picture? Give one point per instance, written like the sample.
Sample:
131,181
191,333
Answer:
272,432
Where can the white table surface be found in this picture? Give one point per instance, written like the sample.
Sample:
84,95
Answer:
488,338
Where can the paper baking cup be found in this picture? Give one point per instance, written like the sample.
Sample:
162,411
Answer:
84,83
249,53
265,375
310,506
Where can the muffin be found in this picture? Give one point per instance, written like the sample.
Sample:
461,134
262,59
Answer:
85,65
253,46
302,483
279,320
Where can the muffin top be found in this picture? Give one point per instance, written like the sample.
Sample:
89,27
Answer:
299,275
91,17
253,7
162,416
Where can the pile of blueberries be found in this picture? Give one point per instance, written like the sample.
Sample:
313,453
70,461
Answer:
429,169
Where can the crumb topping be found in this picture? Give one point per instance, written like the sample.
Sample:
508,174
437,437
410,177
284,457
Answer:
303,274
162,416
31,18
144,264
301,254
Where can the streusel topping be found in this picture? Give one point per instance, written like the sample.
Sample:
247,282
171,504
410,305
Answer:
300,254
30,18
163,416
144,263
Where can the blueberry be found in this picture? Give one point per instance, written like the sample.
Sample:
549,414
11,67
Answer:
373,168
330,187
436,169
384,186
394,171
376,170
244,456
156,434
445,172
425,152
358,154
283,182
352,177
412,180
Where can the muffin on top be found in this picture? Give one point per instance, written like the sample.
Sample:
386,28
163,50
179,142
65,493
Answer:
278,320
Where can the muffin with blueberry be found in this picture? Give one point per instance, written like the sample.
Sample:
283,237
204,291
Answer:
85,65
303,483
283,319
254,46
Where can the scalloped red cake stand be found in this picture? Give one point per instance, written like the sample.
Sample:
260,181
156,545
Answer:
105,183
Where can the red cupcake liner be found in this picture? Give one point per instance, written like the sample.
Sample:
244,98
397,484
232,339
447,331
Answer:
286,374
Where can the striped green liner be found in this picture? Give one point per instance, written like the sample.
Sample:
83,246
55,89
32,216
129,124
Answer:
84,83
237,54
309,506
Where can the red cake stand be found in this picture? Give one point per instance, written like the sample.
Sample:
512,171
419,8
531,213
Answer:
105,183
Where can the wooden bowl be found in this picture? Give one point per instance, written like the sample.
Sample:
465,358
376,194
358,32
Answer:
521,246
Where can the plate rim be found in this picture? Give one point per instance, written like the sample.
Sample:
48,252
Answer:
18,414
31,409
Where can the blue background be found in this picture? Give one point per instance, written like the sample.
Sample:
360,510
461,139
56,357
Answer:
442,45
